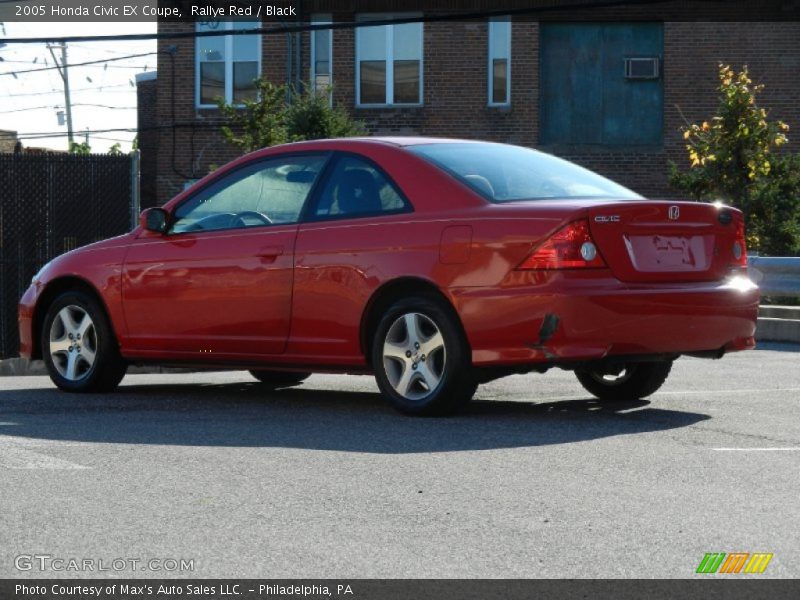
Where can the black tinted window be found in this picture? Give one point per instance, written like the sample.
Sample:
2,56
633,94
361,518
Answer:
357,188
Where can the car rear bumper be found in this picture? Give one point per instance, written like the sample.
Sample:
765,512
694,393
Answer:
577,319
25,321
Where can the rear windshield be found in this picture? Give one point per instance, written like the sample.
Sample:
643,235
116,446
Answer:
503,173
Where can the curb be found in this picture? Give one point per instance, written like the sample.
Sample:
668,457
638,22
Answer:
19,367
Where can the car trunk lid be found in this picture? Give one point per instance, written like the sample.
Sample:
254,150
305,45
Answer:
666,241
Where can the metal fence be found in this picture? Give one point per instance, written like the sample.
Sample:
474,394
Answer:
775,276
50,204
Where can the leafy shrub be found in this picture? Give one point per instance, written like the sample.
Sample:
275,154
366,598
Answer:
281,114
731,158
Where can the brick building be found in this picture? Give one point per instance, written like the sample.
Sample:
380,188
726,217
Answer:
605,87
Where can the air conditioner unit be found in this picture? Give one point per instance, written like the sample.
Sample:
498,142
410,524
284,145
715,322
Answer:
643,67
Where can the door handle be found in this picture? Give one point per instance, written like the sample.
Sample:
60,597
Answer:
270,252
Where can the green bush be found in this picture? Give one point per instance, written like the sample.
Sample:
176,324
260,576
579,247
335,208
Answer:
311,117
282,115
731,158
258,123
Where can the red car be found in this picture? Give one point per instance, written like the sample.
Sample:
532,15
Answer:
436,264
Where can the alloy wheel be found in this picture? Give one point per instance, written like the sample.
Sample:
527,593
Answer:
73,343
414,356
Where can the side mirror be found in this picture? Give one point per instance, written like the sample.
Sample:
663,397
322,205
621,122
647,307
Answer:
154,219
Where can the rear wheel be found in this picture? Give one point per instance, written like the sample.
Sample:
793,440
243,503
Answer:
280,378
629,382
78,345
421,358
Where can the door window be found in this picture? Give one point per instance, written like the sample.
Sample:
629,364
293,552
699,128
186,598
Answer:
358,188
270,192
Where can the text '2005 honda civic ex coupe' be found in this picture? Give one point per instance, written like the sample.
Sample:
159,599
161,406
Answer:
436,264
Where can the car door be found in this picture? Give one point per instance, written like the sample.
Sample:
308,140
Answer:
219,283
357,229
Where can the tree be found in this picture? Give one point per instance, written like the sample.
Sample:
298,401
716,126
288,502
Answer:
282,115
115,150
259,123
311,117
80,148
731,159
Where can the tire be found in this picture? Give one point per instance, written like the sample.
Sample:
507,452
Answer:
89,361
280,378
425,371
635,381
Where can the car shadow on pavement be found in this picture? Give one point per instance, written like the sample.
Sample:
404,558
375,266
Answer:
255,415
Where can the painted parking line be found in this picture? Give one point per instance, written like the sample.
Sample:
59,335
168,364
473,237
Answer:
756,449
733,391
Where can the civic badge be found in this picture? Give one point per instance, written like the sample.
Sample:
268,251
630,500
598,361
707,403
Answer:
674,213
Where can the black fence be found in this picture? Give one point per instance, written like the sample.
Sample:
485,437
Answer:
50,204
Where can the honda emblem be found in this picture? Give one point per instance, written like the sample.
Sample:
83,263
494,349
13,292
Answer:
674,213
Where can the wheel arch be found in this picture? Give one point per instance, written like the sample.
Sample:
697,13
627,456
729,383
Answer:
54,288
391,291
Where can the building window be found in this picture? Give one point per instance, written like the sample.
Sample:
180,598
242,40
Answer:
587,96
499,61
226,66
389,63
321,55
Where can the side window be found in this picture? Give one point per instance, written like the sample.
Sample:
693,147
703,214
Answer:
357,188
270,192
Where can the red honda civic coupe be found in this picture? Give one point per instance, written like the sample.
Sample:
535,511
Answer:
435,264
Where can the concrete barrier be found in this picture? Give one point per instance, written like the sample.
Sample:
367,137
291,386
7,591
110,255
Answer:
777,276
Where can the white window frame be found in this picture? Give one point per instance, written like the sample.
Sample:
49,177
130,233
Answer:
490,63
321,19
390,60
228,26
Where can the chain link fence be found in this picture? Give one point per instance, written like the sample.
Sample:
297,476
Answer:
51,204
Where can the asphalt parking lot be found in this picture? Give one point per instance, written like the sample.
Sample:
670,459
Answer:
325,480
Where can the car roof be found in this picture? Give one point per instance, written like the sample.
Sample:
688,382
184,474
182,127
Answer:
415,140
396,141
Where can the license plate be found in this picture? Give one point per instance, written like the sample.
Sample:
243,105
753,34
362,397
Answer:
653,253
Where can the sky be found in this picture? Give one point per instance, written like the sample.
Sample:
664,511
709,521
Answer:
29,102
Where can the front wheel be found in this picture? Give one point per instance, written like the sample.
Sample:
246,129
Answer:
630,382
421,358
78,345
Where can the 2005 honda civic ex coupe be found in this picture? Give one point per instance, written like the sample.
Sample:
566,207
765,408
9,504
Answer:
436,264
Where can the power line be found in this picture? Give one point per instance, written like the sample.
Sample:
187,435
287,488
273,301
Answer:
31,62
110,139
49,106
186,125
87,89
82,64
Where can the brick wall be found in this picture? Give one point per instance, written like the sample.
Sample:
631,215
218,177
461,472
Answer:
455,86
694,51
455,102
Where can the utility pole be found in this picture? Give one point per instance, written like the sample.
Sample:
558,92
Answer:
63,70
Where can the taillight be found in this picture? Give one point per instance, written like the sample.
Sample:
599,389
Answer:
571,247
740,245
